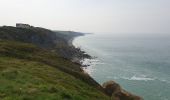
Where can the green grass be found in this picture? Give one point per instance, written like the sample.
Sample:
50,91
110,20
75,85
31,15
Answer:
31,73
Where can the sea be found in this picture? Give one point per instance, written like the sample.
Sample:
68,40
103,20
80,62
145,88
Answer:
140,63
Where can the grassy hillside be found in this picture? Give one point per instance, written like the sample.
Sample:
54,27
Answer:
28,72
36,64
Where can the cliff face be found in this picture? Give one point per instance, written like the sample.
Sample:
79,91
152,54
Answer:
36,64
58,41
41,37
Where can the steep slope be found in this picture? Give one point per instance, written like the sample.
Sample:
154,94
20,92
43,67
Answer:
39,36
36,64
58,41
30,73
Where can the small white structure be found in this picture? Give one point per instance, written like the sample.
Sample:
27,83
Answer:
20,25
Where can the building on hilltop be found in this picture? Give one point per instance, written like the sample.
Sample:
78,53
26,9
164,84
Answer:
20,25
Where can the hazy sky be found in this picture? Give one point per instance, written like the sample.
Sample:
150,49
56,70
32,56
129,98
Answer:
99,16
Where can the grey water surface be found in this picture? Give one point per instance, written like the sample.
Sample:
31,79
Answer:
140,64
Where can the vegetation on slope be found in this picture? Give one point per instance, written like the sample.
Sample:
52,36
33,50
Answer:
58,41
30,73
35,64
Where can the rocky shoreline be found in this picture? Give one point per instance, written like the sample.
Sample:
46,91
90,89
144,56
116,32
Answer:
111,88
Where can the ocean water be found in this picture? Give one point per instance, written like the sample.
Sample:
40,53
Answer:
140,64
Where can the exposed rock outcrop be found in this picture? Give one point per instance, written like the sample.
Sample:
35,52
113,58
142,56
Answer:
117,93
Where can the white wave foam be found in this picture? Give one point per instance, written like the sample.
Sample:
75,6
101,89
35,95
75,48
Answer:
140,78
88,70
164,80
91,62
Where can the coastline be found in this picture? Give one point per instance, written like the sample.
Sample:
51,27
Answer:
70,41
81,53
53,49
110,85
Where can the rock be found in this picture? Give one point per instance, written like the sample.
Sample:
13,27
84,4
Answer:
111,87
117,93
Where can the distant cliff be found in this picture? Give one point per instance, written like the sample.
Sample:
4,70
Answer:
59,41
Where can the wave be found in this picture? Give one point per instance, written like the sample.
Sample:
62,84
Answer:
164,80
141,78
138,78
92,62
144,78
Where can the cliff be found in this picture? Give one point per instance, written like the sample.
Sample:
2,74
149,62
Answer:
35,64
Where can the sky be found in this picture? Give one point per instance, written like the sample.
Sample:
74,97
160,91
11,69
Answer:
94,16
